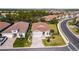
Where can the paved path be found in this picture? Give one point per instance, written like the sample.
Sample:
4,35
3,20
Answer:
37,42
8,43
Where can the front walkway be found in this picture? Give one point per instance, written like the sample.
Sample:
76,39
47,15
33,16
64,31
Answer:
8,43
37,42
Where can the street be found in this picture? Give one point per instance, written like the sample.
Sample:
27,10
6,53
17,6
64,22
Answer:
73,40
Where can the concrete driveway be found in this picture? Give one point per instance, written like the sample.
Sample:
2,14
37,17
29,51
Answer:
37,42
8,43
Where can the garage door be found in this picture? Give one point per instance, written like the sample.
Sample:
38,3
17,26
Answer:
37,34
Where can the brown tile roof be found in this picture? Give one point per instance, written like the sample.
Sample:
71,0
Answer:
21,26
40,26
3,25
49,17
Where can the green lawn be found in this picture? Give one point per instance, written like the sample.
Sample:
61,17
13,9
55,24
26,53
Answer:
56,39
75,31
54,27
22,42
70,23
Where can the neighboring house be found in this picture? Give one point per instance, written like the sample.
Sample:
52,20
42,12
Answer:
40,29
18,30
77,15
3,25
49,17
68,16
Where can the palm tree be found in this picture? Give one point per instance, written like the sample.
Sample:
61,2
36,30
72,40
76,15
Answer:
48,39
51,35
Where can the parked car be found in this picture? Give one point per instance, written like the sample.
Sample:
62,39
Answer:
2,40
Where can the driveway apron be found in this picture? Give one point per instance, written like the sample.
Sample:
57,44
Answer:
8,43
37,42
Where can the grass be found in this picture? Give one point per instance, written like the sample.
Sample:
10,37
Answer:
54,27
22,42
70,23
74,30
56,39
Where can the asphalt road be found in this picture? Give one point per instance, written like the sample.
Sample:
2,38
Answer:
73,40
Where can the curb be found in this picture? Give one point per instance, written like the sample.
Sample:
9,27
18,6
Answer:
70,29
62,34
35,47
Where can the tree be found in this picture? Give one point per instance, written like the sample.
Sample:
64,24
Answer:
53,21
51,35
11,17
48,39
74,21
24,15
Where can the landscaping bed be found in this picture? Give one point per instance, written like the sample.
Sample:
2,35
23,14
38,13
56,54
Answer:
56,39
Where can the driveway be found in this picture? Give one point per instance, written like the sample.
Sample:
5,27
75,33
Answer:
37,42
8,43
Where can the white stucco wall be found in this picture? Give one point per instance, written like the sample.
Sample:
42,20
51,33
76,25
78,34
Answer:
47,33
37,34
40,34
10,35
19,35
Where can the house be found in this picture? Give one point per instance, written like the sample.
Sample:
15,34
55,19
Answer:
18,30
40,29
49,17
77,15
67,16
3,25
